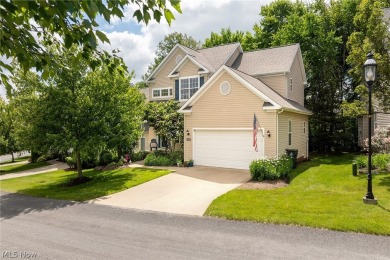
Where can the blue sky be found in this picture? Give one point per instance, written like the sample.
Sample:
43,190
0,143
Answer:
138,42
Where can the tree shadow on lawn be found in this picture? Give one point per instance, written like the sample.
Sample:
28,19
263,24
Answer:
13,205
385,181
35,199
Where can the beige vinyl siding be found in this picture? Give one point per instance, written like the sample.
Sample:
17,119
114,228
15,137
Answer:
233,57
235,110
161,80
378,120
189,69
277,83
299,138
382,120
296,93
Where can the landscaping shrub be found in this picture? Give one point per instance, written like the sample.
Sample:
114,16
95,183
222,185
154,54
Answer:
71,162
42,158
139,156
380,161
157,160
177,156
380,140
105,158
271,169
361,161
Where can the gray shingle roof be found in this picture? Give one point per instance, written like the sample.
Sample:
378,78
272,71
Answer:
266,61
214,57
273,95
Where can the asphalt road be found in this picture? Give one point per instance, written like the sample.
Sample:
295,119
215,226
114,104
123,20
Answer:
52,229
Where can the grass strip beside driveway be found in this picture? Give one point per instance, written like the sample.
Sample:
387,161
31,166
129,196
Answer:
53,184
21,167
322,194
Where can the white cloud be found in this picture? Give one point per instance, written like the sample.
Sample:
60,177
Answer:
198,20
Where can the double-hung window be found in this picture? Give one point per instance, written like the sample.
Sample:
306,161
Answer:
162,92
188,87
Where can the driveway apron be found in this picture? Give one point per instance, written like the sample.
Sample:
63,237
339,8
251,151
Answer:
187,191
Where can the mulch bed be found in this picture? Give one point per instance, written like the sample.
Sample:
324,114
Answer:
264,185
77,181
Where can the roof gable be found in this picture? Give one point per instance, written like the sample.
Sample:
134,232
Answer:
182,63
256,86
166,59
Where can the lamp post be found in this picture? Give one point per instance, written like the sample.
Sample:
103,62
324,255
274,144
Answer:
369,75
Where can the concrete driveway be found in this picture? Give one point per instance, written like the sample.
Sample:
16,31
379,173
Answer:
187,191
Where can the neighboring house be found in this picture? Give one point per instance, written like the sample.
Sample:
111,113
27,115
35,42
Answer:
221,88
379,117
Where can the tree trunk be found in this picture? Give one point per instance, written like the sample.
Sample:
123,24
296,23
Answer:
119,151
13,158
79,166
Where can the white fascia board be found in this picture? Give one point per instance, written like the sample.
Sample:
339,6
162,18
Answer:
298,111
165,60
183,62
302,65
270,74
215,76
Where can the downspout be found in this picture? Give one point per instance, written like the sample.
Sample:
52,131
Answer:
277,131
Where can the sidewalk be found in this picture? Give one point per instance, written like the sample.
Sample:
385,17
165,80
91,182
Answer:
55,165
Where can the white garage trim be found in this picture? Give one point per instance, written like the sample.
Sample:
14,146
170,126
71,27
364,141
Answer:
246,151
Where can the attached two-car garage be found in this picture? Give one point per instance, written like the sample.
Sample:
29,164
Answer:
227,148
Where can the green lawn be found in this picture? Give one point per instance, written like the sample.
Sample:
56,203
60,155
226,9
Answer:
21,167
19,159
53,184
323,194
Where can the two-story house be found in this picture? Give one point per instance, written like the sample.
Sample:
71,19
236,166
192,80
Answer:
222,89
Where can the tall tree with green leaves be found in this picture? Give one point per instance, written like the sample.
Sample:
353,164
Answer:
227,36
371,34
166,45
26,24
166,121
83,110
8,143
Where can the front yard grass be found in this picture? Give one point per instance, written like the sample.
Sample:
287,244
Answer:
323,193
54,184
21,167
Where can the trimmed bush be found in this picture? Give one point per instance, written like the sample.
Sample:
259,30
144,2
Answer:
71,162
271,169
177,156
139,156
157,160
105,158
42,158
380,161
361,161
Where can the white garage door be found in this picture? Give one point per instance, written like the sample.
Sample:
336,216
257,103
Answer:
226,148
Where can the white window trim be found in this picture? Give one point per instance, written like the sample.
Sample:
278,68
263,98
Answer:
170,93
190,77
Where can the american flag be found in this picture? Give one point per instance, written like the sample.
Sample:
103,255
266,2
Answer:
255,126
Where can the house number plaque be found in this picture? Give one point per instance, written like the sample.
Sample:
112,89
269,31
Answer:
188,139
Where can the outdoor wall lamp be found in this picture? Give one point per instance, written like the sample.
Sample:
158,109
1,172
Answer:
269,133
188,132
369,76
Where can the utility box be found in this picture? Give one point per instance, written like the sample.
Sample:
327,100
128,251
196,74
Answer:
293,153
354,169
